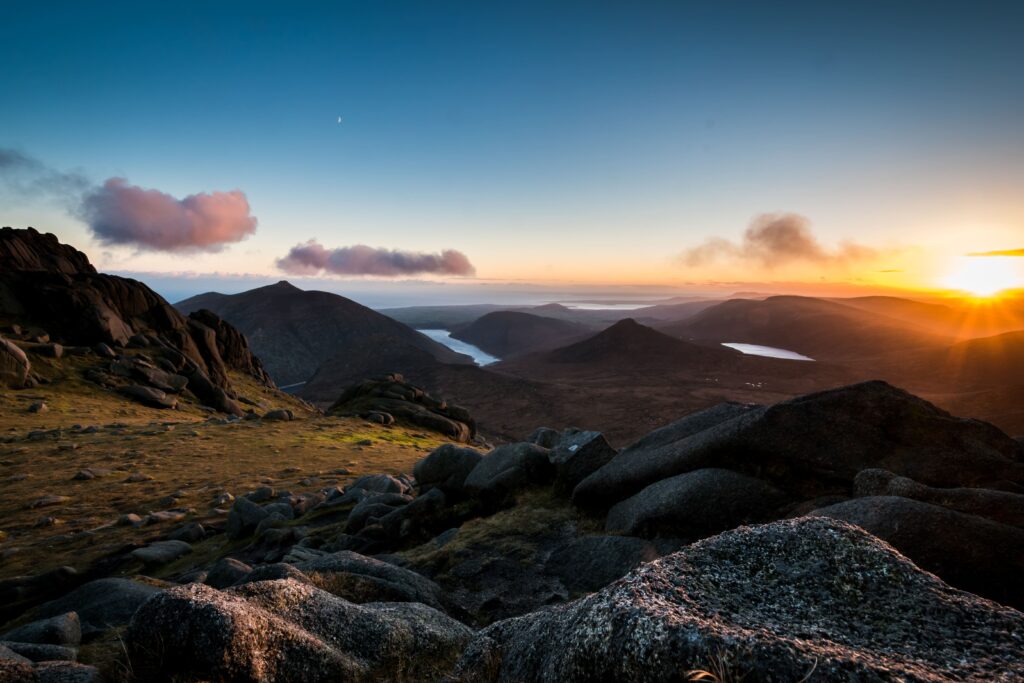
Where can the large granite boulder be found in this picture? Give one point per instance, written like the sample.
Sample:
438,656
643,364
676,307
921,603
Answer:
815,445
507,470
446,468
101,604
278,631
809,599
966,551
577,454
696,505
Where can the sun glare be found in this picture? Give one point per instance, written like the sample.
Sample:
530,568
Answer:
983,276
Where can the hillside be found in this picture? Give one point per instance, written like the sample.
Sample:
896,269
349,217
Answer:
958,318
294,331
823,330
510,333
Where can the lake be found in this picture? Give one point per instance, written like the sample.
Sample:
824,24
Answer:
767,351
445,337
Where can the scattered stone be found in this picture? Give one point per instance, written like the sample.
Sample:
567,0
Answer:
47,501
379,483
101,604
130,519
262,494
137,477
223,499
282,415
62,629
162,552
245,516
39,407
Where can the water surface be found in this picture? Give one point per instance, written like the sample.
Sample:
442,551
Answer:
766,351
445,337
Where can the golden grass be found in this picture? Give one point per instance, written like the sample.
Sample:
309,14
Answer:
181,450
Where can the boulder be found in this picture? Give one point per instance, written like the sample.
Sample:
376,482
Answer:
227,572
243,519
696,505
18,670
67,672
280,415
966,551
379,483
41,652
162,552
508,469
362,579
62,629
101,604
590,563
149,396
1000,506
278,631
805,599
14,365
578,454
446,468
815,445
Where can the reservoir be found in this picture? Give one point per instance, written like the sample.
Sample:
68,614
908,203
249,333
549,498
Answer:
767,351
445,337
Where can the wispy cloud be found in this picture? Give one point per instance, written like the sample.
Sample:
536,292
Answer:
312,258
999,252
24,175
773,240
123,214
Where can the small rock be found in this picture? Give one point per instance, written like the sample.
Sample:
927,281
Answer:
162,552
39,407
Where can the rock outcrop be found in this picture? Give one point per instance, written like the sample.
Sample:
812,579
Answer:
808,599
277,631
394,397
815,445
49,286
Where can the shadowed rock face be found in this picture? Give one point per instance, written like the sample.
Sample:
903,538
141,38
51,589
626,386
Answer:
52,286
816,444
807,599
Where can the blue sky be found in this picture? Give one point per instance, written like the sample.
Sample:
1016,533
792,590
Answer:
565,142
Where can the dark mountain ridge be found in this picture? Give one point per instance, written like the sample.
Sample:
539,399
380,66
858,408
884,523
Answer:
295,331
509,333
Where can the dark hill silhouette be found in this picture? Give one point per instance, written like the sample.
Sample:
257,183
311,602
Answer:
958,318
510,333
821,329
630,343
294,331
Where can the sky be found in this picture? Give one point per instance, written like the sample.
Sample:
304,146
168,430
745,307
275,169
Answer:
664,146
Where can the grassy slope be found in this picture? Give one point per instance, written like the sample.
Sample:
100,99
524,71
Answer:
182,450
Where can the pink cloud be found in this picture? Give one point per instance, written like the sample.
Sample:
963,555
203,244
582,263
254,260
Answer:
313,258
119,213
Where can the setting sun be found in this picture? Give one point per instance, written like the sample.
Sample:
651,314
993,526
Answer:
983,276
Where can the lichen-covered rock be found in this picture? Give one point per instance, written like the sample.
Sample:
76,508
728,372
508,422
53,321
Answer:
966,551
809,599
362,579
278,631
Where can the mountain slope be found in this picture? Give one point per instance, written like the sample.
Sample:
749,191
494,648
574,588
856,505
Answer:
294,331
510,333
821,329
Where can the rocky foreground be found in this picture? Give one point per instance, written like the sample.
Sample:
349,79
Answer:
887,545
